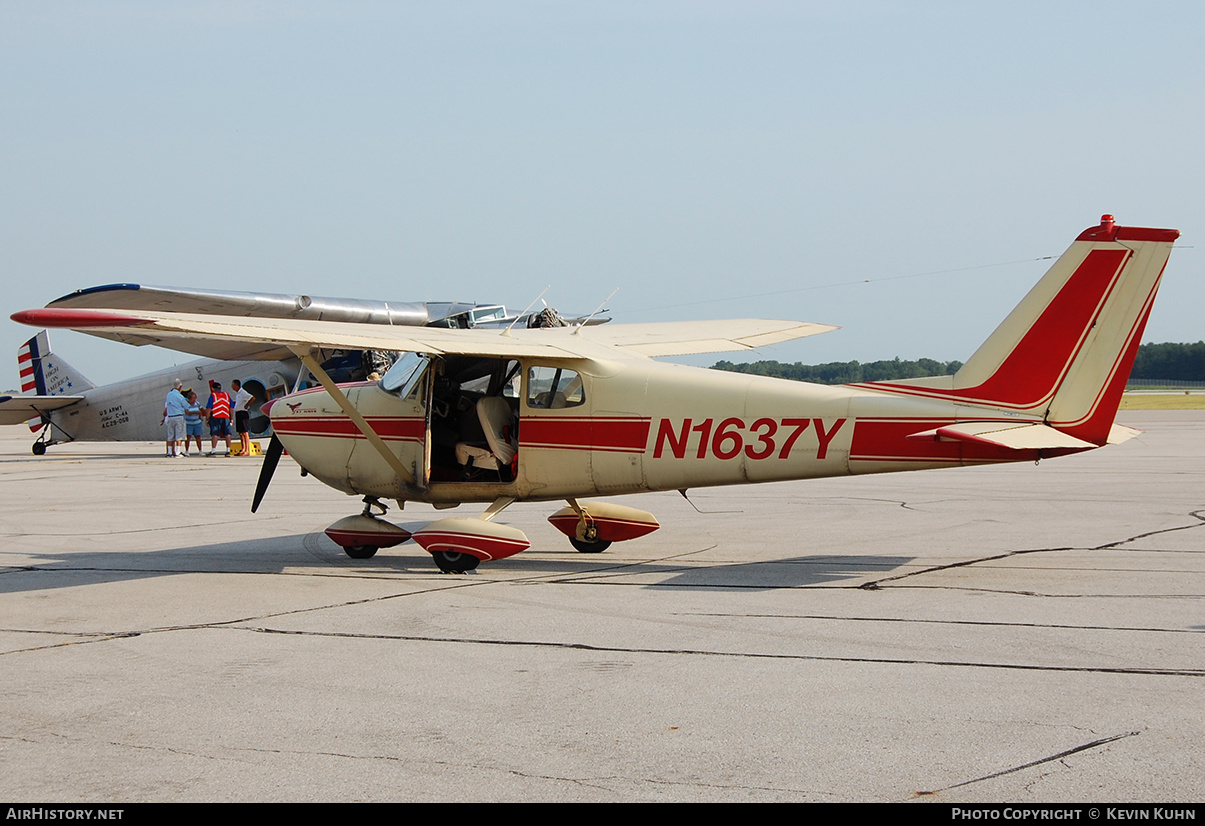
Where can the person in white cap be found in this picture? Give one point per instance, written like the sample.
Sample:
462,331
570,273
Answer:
174,408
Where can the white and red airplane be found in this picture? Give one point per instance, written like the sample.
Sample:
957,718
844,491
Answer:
565,413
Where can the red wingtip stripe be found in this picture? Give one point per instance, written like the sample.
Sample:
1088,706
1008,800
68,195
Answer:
74,318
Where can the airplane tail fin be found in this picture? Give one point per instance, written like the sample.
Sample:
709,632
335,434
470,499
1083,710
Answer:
1065,352
45,374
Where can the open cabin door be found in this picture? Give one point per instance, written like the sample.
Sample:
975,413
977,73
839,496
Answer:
472,437
411,379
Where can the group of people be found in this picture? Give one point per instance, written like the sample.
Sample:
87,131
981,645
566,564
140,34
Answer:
184,418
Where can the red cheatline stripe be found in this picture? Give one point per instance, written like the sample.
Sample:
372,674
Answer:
338,427
585,433
885,440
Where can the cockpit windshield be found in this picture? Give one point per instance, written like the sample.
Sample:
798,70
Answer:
404,375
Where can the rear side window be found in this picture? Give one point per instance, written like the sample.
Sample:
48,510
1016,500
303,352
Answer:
552,388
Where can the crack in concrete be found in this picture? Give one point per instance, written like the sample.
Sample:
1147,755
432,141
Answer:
874,585
578,646
1043,594
157,529
91,638
902,504
987,623
456,584
1052,758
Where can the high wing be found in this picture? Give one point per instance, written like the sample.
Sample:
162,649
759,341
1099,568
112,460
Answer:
220,336
679,338
20,409
257,305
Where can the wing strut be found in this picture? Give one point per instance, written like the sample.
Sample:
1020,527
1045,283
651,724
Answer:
303,353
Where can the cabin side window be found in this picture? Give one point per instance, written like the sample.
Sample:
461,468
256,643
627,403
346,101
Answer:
551,388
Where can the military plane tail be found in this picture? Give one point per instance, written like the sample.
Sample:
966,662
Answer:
44,374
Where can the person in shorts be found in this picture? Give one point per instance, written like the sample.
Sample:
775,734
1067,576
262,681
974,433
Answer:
242,415
173,418
219,417
193,419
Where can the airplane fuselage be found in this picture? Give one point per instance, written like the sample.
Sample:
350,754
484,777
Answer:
706,428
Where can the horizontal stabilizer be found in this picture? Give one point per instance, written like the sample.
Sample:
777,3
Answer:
1119,433
19,409
1007,435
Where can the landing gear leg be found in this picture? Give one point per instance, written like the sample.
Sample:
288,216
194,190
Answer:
587,528
371,502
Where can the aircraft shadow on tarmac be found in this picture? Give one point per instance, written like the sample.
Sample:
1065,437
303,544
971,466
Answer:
307,554
795,572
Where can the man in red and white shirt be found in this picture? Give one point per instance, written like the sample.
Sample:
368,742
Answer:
219,417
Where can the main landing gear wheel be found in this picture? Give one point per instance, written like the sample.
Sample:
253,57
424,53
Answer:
454,562
39,448
360,551
595,547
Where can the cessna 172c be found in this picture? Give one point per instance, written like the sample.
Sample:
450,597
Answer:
65,406
564,413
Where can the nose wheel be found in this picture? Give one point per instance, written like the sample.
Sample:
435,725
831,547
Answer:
361,536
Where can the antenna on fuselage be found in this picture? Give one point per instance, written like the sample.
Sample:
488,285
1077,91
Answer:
577,330
696,507
506,332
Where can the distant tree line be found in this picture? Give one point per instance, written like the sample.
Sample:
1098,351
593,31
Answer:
1176,362
845,372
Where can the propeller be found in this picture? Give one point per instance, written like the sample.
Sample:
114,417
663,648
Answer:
271,459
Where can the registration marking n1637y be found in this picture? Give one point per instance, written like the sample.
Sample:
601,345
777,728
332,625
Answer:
761,439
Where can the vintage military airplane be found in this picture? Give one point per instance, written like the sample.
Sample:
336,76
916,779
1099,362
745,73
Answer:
62,405
547,414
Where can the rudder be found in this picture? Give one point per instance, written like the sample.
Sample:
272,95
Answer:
44,374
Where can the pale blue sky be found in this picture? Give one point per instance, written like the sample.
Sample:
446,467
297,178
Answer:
690,153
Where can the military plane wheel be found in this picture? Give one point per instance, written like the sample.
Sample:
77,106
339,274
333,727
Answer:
39,448
595,547
454,562
360,551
